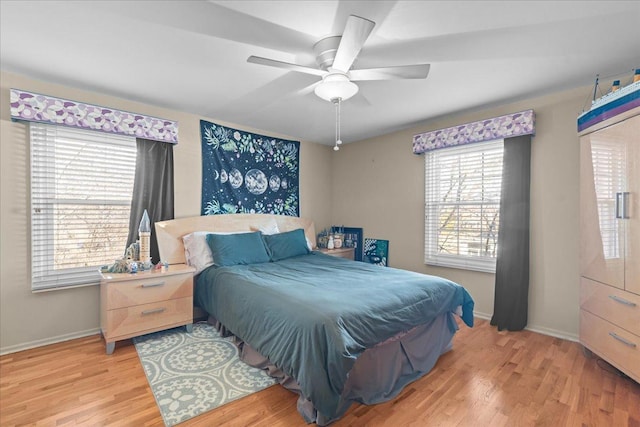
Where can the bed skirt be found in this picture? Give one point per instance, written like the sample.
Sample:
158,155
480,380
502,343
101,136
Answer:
378,375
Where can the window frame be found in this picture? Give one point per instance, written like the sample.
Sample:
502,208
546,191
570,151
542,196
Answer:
44,196
433,208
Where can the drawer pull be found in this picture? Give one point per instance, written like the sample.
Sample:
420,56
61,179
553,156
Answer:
154,311
622,340
622,301
152,285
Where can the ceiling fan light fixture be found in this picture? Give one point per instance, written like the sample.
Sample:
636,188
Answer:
336,86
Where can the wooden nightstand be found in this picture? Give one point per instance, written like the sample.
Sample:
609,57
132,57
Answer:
348,253
144,302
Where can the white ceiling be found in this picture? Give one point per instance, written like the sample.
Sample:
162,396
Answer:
191,55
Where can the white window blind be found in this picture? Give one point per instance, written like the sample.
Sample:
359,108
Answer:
81,186
462,205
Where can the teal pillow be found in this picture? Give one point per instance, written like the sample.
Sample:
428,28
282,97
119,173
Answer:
286,245
234,249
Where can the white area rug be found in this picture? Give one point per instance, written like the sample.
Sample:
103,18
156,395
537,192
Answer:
192,373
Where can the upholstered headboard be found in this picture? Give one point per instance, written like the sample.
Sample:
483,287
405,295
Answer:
169,233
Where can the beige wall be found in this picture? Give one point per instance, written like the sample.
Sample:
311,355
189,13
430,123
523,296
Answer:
378,184
28,319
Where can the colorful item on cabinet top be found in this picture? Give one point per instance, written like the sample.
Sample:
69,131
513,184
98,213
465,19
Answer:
617,101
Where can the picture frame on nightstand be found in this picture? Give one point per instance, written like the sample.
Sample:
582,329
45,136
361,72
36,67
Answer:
355,236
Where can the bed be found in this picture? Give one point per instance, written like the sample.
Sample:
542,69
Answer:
333,330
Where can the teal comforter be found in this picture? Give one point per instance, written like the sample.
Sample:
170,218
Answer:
314,314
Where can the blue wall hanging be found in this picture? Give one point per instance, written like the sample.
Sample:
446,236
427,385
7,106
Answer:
244,172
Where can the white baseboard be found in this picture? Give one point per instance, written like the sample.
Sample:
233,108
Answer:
81,334
553,333
538,329
482,315
47,341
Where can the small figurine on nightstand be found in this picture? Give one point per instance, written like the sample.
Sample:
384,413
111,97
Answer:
118,266
133,251
144,231
323,239
162,266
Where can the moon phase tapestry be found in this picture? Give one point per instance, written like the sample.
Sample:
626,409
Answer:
244,172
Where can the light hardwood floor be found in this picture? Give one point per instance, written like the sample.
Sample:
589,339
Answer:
490,378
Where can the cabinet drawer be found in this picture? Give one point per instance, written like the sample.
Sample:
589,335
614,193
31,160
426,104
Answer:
611,304
152,289
612,343
140,319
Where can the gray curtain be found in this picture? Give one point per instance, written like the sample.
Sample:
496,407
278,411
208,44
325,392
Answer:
152,189
511,299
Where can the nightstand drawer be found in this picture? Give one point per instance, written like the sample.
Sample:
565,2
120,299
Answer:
348,253
148,290
140,318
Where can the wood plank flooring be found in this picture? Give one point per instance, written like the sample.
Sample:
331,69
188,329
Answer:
490,378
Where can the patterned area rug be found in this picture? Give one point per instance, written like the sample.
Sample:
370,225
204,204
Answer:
192,373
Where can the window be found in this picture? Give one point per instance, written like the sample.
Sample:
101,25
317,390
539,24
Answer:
462,205
81,186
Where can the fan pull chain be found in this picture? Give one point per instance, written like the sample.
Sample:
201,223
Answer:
336,147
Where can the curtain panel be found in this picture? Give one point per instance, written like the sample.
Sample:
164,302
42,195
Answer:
511,298
152,189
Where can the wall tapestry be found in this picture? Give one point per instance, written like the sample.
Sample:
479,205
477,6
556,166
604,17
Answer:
376,251
244,172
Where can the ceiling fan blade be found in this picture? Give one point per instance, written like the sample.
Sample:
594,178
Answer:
308,89
285,65
209,19
355,34
418,71
285,87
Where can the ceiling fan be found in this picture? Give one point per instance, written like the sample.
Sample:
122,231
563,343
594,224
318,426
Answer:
335,56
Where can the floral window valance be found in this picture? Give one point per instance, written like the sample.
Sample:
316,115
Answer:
35,107
507,126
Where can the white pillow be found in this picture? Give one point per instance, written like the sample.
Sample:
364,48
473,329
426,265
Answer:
196,250
268,229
